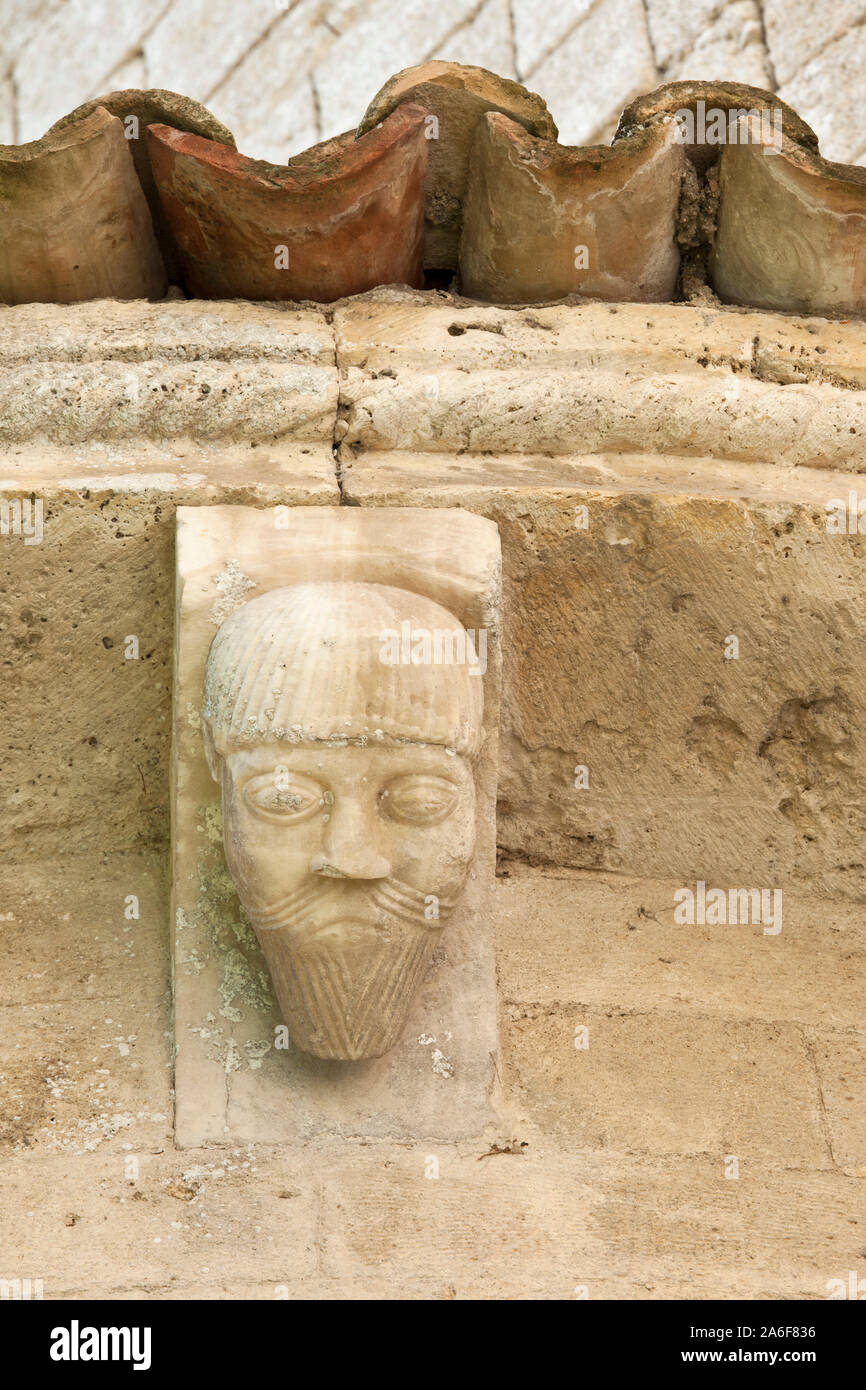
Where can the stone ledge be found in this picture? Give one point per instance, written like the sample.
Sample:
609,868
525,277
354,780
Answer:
598,378
404,370
108,371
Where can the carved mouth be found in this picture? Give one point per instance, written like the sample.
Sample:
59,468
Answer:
343,931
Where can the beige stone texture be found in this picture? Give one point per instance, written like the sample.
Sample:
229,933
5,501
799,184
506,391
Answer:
458,97
7,111
270,93
790,231
826,89
840,1059
730,46
542,221
374,41
156,406
233,1082
752,767
706,487
686,550
609,46
539,32
100,1204
202,41
748,1088
699,384
794,38
64,53
227,374
675,29
75,221
486,37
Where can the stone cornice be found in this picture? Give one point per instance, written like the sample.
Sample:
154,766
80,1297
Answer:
397,371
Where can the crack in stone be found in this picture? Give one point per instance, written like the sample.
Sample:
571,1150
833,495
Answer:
822,1106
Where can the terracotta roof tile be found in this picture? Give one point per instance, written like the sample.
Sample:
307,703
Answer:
791,231
341,218
543,220
75,222
456,97
451,169
145,108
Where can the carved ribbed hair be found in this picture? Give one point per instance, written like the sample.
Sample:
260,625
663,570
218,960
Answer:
305,663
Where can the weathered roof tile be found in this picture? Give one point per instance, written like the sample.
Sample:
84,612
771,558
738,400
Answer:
544,220
138,109
708,188
675,98
791,231
75,224
456,96
343,217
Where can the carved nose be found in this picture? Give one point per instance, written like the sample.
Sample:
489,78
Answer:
349,849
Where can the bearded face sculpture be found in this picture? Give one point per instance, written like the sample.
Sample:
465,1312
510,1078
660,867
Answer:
345,761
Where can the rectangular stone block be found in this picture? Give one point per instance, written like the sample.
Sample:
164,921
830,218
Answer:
543,1224
667,1083
619,379
171,371
233,1082
570,937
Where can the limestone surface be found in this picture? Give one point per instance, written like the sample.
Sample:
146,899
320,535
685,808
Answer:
710,487
103,1205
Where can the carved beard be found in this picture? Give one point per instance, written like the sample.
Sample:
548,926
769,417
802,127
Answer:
346,960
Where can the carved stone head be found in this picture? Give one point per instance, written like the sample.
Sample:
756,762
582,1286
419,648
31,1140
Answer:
342,725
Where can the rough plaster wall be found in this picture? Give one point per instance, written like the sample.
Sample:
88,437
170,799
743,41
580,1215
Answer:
284,73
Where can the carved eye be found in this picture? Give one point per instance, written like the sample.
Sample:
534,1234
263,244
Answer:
284,797
419,799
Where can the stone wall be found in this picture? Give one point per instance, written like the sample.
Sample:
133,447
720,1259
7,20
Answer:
284,73
661,480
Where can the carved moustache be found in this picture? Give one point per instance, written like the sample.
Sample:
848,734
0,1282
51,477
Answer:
387,897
